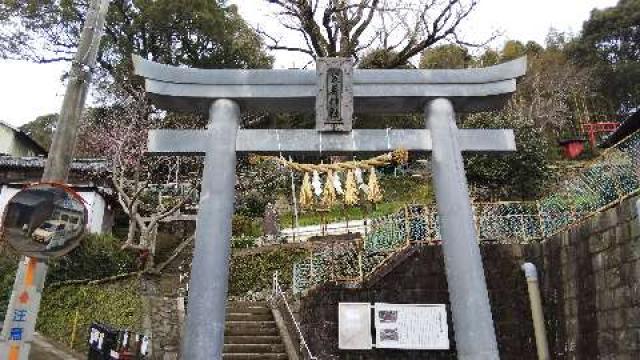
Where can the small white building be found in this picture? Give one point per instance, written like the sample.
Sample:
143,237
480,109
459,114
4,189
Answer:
100,213
14,142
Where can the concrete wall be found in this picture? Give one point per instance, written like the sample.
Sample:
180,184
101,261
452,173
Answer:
420,279
590,280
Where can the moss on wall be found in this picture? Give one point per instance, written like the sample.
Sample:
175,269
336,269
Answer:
118,304
255,272
8,267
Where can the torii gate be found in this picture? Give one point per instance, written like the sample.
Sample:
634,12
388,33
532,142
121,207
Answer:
337,91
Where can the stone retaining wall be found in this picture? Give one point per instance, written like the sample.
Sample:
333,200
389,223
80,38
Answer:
592,287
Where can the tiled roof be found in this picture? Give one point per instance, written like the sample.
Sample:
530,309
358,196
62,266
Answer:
11,162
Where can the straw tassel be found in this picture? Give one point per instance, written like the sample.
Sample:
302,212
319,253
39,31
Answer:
306,192
375,193
329,193
350,189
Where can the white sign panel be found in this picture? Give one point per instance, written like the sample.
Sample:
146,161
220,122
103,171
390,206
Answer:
354,326
411,326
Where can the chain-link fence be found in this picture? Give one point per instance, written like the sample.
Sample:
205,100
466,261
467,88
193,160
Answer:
613,176
601,183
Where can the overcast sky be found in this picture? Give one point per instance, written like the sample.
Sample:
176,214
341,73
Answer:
29,90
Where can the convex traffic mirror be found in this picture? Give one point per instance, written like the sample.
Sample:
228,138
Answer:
44,221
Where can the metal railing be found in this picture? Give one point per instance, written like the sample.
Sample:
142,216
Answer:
598,185
278,294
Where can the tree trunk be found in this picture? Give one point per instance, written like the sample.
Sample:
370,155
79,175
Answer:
131,235
148,240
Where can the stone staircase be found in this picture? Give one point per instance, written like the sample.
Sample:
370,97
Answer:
251,332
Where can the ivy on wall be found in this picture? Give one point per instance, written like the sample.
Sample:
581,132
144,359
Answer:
8,267
255,272
118,304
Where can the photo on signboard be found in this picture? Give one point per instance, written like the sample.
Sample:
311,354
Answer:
389,335
44,221
388,316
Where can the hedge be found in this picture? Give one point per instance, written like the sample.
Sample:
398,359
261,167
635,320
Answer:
255,272
117,304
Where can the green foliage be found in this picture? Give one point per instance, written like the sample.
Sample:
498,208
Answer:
512,50
258,185
243,225
199,33
381,59
255,272
489,58
610,41
97,257
8,267
117,304
450,56
518,175
41,129
243,242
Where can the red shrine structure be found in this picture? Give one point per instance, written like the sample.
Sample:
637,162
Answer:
597,128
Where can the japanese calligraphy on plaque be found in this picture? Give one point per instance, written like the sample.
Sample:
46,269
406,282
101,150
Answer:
334,101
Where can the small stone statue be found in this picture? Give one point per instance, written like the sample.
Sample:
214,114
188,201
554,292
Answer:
271,223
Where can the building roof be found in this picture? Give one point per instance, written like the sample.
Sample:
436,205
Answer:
628,127
83,165
25,138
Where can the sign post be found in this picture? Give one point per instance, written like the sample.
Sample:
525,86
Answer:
224,92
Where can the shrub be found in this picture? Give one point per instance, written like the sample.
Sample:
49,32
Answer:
255,272
118,304
97,257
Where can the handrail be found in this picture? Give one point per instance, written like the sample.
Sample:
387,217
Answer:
277,292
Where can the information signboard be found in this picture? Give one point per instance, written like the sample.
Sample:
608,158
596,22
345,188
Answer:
411,326
354,322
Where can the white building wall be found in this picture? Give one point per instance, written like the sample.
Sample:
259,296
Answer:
95,203
7,139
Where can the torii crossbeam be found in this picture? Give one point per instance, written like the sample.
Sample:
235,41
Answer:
223,93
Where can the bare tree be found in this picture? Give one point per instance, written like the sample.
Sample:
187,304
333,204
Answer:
344,28
149,189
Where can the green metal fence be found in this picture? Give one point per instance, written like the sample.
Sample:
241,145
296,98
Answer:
601,183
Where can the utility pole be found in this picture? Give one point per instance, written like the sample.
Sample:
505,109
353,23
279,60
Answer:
20,319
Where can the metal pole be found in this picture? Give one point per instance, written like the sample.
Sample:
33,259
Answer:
17,333
537,314
204,335
472,321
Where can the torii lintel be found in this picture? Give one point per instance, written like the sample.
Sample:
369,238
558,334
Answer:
374,91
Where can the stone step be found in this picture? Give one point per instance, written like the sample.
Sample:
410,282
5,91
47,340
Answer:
253,348
257,356
250,330
248,309
242,316
248,303
255,339
251,324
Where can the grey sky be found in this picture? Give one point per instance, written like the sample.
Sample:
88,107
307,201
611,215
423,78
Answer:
30,90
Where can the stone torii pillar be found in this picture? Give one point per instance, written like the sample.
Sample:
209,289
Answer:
340,91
